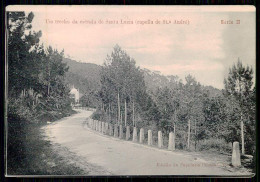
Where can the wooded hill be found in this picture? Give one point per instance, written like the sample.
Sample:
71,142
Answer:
86,77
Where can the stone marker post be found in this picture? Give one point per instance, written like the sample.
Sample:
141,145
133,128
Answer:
150,137
160,139
135,135
116,131
88,122
103,127
106,128
171,145
96,125
120,131
141,135
110,129
100,126
127,135
236,162
91,123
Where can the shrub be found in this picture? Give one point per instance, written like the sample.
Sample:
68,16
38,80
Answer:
214,144
97,115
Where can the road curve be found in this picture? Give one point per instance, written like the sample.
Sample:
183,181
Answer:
119,157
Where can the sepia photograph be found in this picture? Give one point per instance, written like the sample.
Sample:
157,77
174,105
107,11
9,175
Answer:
130,91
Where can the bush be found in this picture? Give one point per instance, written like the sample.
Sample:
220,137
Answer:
97,115
23,118
214,144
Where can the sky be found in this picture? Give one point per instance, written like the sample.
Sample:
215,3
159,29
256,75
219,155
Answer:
203,47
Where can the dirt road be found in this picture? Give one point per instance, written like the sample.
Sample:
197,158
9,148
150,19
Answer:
113,156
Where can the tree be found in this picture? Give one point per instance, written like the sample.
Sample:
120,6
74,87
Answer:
24,53
36,89
121,82
215,115
193,99
35,75
238,87
53,75
166,106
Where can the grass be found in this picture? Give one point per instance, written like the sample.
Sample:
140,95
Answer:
217,144
36,156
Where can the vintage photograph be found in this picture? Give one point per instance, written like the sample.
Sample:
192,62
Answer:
130,90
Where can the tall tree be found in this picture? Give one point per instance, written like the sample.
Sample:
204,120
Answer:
239,85
32,70
23,53
122,81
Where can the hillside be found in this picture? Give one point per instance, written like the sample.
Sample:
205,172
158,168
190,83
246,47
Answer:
86,77
155,79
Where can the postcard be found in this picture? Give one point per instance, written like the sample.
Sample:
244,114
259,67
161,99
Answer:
130,91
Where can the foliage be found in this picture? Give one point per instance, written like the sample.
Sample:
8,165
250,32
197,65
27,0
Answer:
215,144
35,75
240,96
24,52
121,82
86,78
37,91
214,115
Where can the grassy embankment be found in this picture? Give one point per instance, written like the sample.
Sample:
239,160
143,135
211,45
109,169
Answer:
30,154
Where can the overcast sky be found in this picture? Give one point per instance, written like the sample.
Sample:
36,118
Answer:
204,48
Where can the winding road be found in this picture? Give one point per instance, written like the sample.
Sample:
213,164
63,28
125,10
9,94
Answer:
120,157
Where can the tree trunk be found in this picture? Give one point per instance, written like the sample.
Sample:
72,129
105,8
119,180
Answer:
188,146
102,106
242,136
241,117
49,78
49,88
133,113
195,134
109,111
174,130
121,118
125,112
118,103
